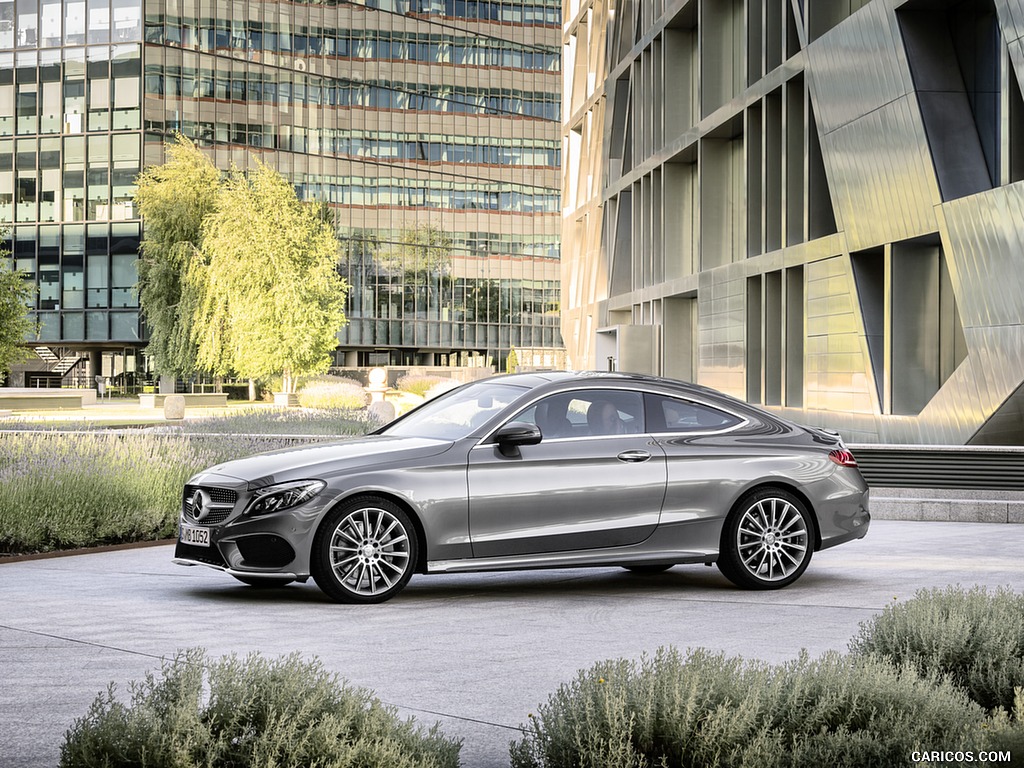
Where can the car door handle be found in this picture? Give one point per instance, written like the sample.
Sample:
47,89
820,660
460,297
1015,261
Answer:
634,457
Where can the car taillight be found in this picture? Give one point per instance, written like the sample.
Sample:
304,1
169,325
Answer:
843,457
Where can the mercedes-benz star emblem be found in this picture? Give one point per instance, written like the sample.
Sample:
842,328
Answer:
200,505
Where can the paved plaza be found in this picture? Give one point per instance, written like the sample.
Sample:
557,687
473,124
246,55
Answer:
476,653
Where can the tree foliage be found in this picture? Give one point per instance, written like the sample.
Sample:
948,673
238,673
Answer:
271,300
173,199
16,325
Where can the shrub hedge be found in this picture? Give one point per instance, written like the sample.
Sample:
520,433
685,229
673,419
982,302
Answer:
975,637
234,712
420,385
334,392
704,709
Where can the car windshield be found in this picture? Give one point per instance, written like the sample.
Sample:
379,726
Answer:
456,414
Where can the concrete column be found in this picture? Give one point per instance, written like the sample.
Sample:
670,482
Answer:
95,365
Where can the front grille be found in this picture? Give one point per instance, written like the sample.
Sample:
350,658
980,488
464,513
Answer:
221,502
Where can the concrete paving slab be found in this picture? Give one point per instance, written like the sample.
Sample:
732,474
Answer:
475,652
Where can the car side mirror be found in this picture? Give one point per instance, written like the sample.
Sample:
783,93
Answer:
515,434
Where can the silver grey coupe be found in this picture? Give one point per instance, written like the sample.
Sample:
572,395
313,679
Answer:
538,470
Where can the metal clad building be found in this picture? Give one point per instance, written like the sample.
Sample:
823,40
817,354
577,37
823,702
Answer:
815,205
431,127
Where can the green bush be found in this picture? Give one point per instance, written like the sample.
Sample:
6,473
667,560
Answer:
249,712
709,710
420,385
1006,728
76,490
332,392
975,637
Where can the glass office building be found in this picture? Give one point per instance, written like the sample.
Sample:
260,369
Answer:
431,128
813,205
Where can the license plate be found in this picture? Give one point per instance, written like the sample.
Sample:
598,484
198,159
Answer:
194,535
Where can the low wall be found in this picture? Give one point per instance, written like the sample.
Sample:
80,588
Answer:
947,505
196,400
32,399
948,483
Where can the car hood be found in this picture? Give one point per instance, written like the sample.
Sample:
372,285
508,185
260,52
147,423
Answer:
322,460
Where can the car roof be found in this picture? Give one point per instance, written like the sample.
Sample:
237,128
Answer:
554,380
540,378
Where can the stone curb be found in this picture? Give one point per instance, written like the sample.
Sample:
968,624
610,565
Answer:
83,551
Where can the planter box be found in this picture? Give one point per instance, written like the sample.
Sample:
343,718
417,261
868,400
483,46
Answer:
204,400
27,400
286,399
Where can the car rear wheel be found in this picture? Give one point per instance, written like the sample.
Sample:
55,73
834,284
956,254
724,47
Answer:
767,541
364,552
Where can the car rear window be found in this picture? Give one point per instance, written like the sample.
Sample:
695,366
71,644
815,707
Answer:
671,414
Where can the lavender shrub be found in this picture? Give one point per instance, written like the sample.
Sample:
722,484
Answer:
66,490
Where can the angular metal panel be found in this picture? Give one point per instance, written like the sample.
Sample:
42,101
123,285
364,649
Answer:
856,67
882,179
986,242
835,354
721,320
1011,18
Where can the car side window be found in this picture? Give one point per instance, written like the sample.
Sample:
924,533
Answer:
586,413
670,414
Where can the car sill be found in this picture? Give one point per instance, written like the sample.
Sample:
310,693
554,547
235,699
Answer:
570,560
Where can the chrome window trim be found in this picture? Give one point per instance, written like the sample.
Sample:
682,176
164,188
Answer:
699,433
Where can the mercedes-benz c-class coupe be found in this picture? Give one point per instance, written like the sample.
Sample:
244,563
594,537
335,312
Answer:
535,470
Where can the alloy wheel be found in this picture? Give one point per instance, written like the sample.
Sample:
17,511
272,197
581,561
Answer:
772,539
365,552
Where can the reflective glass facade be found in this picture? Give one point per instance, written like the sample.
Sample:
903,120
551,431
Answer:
431,128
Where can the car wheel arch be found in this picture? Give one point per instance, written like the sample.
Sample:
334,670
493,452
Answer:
767,484
421,560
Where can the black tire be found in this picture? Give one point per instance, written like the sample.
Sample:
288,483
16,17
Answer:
647,569
263,582
365,551
767,541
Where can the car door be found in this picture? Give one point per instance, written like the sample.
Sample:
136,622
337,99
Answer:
704,465
596,479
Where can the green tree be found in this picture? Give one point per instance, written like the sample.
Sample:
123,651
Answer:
16,325
271,298
173,200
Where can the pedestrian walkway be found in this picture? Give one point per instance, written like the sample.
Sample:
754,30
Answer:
475,652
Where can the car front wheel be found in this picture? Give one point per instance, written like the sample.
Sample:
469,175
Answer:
364,552
767,541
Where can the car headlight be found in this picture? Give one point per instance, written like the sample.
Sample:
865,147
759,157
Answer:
274,498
